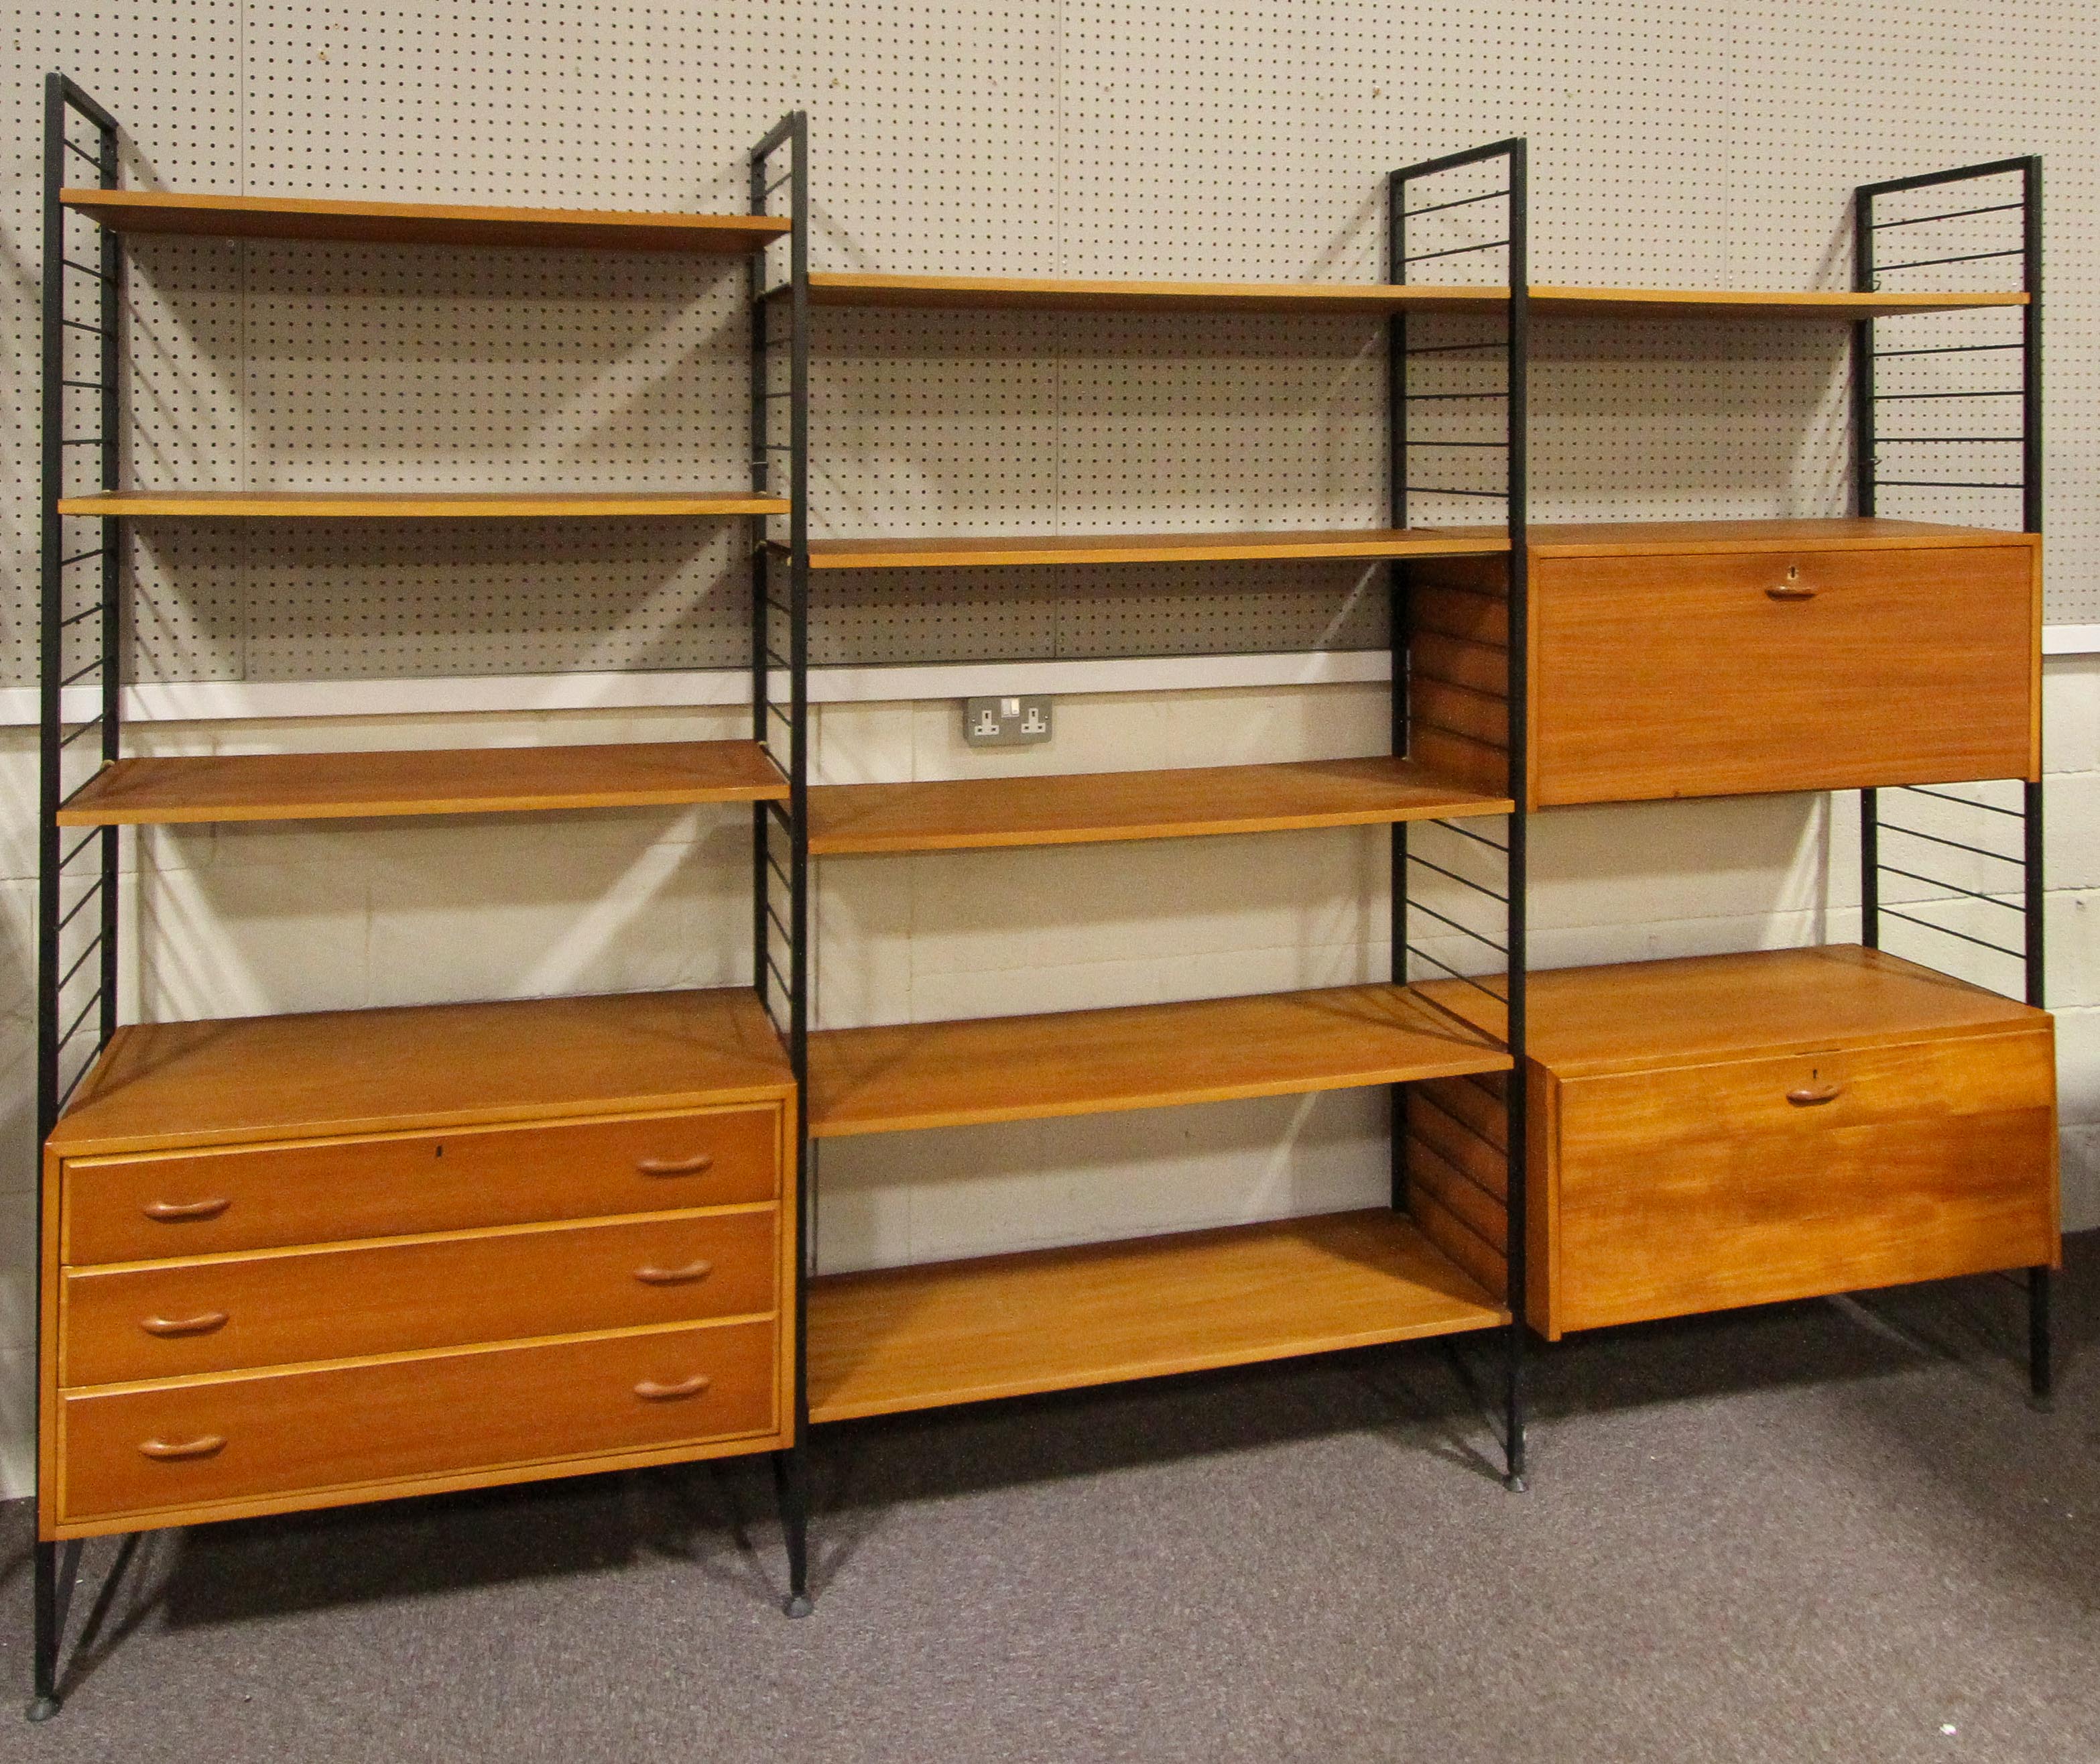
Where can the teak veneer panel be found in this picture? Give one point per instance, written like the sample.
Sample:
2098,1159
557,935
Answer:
916,1075
1063,293
1630,1015
417,505
1686,538
1077,808
999,551
485,781
1072,294
561,229
161,1086
964,1331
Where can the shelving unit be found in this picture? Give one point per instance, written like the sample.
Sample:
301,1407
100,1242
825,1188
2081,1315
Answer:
908,1338
581,1211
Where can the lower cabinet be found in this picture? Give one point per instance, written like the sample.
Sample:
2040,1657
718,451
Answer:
1737,1129
271,1320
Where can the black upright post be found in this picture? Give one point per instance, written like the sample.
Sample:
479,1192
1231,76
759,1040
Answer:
1519,716
1396,619
790,984
1862,505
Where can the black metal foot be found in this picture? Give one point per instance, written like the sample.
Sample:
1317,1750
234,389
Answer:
43,1708
798,1605
1515,1482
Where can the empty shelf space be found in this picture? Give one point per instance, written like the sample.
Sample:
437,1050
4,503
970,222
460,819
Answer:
914,1074
1061,294
964,1331
1639,538
562,229
417,505
999,550
485,781
1083,807
1752,306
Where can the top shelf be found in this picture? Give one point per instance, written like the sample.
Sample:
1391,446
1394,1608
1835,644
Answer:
1068,295
557,229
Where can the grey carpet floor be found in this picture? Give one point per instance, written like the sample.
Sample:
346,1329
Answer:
1831,1531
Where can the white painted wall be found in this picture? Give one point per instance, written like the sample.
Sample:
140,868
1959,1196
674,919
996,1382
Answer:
251,920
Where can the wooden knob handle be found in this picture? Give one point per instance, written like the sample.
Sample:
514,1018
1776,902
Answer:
675,1166
203,1446
202,1324
1791,590
692,1270
1809,1095
171,1211
650,1391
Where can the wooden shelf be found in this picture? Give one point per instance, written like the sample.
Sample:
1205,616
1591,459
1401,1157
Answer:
417,505
1632,1016
1059,293
1075,294
169,1085
485,781
1755,307
560,229
1000,551
1085,807
1646,539
914,1074
965,1332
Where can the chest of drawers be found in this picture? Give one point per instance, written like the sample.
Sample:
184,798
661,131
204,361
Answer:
414,1250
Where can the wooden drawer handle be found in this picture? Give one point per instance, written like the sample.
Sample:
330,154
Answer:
692,1270
172,1212
695,1166
650,1391
202,1324
1791,590
1809,1095
205,1445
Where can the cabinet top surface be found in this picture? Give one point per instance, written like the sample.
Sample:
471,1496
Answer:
1585,1021
162,1085
1634,538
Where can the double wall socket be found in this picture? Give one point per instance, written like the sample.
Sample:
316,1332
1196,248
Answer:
1006,722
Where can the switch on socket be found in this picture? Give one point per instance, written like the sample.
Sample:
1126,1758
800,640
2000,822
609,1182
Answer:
1006,722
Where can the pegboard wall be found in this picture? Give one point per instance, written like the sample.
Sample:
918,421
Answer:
1699,144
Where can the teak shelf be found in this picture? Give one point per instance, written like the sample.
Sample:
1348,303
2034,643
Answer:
558,229
916,1075
486,780
1079,808
994,551
964,1331
1050,293
417,505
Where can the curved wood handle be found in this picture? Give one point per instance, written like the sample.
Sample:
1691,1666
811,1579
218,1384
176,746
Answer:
1791,590
1809,1095
202,1324
697,1165
692,1270
170,1212
650,1391
203,1446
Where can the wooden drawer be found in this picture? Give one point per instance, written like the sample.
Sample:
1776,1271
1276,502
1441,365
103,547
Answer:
1698,1188
173,1320
200,1202
292,1439
1720,673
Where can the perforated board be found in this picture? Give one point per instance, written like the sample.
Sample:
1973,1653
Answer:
1686,144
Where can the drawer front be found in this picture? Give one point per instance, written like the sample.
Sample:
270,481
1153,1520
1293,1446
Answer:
1700,1188
1723,674
202,1203
177,1319
287,1435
